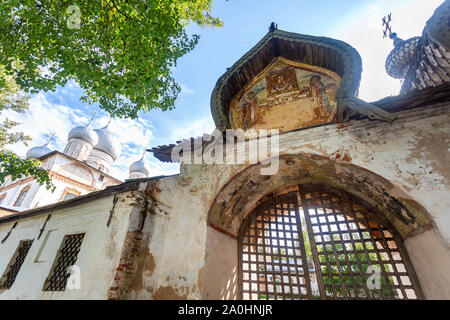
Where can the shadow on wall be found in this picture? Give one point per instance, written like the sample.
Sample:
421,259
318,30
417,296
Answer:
230,291
221,266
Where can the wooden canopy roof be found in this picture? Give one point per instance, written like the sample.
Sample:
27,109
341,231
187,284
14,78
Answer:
328,53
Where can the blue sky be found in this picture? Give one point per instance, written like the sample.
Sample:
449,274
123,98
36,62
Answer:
357,22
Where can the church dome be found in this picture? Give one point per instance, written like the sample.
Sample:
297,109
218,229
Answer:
400,57
107,142
139,166
85,133
38,151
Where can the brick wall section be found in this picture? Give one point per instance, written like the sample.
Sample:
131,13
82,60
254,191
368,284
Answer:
128,261
126,267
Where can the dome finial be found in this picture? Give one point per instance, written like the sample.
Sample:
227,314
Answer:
52,135
93,116
38,151
387,26
387,32
143,154
109,121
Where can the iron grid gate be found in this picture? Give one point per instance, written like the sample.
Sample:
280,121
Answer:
320,244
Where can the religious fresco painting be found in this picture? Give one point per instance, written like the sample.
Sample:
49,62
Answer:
286,88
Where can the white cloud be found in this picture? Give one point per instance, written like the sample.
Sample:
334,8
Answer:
364,33
194,129
45,117
185,89
41,119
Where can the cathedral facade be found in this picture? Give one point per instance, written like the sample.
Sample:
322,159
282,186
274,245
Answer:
356,208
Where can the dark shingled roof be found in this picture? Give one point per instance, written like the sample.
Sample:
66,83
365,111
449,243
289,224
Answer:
129,185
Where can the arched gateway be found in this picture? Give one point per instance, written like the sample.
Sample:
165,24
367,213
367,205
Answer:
317,229
314,242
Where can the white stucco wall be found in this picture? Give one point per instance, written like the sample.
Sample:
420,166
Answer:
97,258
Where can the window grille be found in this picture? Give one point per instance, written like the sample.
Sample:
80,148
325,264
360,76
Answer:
15,264
66,257
315,243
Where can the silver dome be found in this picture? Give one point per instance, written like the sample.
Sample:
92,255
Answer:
107,142
85,133
38,151
139,166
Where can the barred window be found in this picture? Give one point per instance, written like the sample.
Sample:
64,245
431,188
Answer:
15,264
315,243
65,258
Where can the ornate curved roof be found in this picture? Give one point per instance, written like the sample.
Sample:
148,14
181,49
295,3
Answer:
324,52
423,61
400,57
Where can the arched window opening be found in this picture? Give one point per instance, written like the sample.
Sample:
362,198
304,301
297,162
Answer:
21,196
315,243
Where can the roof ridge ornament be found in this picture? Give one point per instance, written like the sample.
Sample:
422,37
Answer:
273,26
386,20
387,32
52,135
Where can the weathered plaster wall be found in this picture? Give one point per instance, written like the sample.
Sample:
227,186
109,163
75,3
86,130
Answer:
410,155
431,260
97,258
159,244
221,261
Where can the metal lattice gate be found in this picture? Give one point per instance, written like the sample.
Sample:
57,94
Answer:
315,243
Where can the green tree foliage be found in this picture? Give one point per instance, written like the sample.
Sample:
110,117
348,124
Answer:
17,168
120,52
12,99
